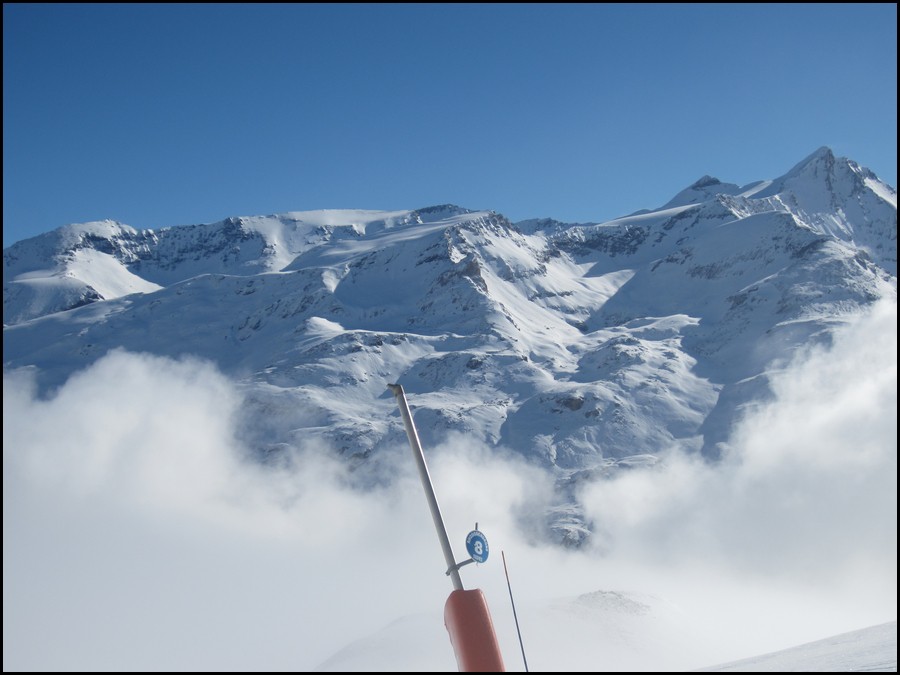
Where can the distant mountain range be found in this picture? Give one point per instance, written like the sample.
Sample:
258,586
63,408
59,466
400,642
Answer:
586,348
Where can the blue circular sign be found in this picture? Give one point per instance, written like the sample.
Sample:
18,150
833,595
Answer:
477,546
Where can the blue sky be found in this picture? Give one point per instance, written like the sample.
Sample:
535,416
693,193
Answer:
161,115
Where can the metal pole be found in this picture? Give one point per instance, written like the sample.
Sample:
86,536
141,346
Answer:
515,616
452,570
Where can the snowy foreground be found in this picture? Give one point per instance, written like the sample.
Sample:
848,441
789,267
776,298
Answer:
869,650
611,632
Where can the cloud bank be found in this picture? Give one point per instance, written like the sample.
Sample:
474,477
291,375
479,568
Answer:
139,535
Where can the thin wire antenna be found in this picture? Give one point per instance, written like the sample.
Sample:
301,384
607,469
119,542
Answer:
515,616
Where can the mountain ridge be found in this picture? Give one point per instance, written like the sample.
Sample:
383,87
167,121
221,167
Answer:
577,346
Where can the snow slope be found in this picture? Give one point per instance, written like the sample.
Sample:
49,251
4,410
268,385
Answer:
871,650
608,631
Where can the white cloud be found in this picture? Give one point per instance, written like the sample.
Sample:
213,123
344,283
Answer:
805,501
137,536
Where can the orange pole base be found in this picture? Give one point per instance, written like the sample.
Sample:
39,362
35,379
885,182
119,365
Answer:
472,635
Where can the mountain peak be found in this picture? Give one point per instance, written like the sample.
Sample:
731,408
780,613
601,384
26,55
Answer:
705,181
439,212
94,228
701,190
823,155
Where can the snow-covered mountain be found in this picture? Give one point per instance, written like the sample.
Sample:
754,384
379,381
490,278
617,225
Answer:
585,348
